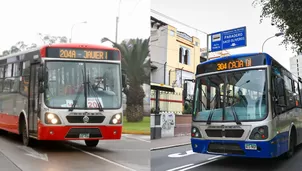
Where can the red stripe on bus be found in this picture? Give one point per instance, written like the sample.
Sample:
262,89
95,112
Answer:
9,122
167,100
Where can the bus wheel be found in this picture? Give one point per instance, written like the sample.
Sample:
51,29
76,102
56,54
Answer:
91,143
25,138
291,149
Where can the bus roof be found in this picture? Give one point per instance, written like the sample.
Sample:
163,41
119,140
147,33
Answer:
57,45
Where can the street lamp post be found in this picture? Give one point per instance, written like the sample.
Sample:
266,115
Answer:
276,35
116,24
84,22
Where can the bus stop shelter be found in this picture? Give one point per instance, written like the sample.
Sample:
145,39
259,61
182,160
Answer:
155,118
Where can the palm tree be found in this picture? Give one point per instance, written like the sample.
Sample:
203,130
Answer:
136,65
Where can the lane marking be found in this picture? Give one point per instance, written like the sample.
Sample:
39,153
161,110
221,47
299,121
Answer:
215,157
136,138
180,167
33,153
191,166
170,146
177,155
201,164
102,158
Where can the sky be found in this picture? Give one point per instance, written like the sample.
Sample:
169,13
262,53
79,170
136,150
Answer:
22,20
217,15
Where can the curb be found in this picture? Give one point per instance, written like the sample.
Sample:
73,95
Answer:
136,132
170,146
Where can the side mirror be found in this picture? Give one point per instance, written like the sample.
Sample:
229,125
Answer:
40,74
124,80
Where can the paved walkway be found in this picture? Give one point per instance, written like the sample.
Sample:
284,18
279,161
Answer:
6,164
170,142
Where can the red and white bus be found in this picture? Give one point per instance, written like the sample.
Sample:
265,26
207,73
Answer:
62,92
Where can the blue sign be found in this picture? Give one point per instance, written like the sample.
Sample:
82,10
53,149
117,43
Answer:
228,39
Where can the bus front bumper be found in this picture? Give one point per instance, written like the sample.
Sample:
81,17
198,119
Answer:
252,149
68,132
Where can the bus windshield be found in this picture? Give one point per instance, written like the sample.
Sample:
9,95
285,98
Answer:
224,96
65,83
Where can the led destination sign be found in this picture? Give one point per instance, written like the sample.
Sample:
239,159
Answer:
82,53
231,63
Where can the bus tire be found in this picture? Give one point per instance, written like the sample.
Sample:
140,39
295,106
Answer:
25,138
91,143
292,144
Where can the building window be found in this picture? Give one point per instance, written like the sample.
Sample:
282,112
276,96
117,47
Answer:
196,43
180,54
184,55
172,33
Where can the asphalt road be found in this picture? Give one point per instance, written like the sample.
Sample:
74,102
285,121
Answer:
131,153
183,159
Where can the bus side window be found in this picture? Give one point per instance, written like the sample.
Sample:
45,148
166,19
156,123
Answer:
280,102
297,94
300,92
289,92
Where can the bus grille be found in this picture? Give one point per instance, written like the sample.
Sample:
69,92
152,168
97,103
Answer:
79,119
75,132
225,148
230,133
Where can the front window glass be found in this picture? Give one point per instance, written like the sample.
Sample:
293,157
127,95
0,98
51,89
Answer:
221,97
65,84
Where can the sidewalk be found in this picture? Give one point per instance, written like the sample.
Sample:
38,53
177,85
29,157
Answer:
170,142
6,164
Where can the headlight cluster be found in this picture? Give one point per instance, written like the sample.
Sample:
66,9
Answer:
259,133
51,118
116,119
195,133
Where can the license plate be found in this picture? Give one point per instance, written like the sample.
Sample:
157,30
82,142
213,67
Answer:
86,135
251,146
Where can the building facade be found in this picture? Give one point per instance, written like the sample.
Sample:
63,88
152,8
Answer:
174,57
296,65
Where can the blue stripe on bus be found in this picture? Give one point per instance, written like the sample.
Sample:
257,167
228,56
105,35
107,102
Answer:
269,149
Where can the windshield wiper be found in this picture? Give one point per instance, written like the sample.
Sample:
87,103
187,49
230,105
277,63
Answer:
235,115
75,101
211,112
94,93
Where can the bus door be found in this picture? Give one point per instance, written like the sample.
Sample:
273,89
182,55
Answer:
33,109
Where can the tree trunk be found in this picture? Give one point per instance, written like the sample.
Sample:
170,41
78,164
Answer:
135,103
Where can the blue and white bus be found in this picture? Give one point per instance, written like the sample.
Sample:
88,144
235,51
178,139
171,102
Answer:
246,105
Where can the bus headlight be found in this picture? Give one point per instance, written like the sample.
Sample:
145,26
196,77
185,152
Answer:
116,119
195,133
259,133
51,118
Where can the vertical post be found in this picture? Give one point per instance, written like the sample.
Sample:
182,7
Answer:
156,127
207,53
165,72
181,77
116,29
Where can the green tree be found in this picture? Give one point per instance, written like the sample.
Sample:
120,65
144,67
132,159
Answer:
136,65
286,15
